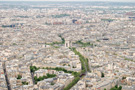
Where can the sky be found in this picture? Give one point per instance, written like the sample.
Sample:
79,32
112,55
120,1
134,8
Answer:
76,0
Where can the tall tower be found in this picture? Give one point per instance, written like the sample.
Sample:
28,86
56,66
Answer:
68,43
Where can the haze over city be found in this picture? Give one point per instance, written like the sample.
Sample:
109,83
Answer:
76,0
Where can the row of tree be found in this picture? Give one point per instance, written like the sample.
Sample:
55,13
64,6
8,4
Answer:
84,44
72,83
44,77
78,75
116,88
33,69
62,42
59,69
62,69
82,59
25,83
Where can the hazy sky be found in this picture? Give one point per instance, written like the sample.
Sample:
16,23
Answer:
75,0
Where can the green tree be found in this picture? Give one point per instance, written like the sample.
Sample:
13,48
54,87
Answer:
102,74
25,83
116,88
120,88
19,77
123,78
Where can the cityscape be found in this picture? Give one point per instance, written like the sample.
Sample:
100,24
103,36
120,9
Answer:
48,45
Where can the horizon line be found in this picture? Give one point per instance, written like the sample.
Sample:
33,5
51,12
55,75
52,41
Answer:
60,1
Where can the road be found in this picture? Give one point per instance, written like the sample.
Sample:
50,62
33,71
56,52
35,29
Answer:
6,77
32,75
